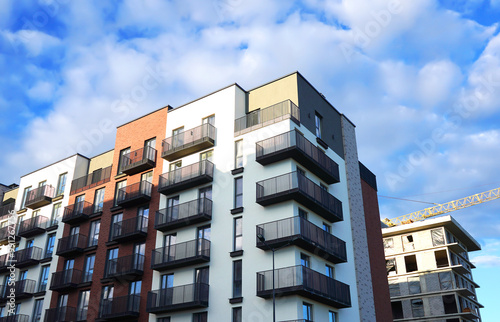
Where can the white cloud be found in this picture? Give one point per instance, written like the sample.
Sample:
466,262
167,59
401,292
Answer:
42,91
486,261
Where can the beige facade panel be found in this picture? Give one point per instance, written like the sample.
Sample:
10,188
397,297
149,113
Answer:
103,160
11,194
278,91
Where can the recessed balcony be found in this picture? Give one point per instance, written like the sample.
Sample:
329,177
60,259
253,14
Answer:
303,281
72,245
182,254
130,229
120,307
184,214
33,226
16,318
139,160
39,197
9,233
28,257
22,289
7,208
94,179
134,194
65,314
178,298
300,232
186,177
189,141
294,145
79,212
125,267
65,280
296,186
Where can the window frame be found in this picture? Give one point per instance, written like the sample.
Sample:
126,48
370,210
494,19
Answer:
238,154
238,195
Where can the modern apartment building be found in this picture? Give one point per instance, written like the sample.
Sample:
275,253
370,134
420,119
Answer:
429,272
179,222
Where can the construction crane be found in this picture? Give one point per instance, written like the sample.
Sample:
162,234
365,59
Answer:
444,208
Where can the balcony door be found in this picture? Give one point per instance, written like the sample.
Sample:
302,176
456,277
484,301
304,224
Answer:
172,209
203,233
116,225
149,152
73,233
168,249
79,204
146,187
112,256
166,289
204,193
139,252
178,137
62,301
142,218
83,305
107,300
175,176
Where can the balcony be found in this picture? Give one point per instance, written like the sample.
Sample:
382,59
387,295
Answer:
65,314
185,297
130,229
300,232
184,214
134,194
182,254
32,226
23,289
139,160
72,245
94,179
294,145
120,307
295,186
6,231
65,280
186,177
16,318
39,197
79,212
28,257
190,141
5,209
303,281
127,266
254,120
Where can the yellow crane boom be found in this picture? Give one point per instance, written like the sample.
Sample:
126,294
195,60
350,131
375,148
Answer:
444,208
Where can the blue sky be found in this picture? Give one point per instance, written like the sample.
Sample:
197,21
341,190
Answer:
420,79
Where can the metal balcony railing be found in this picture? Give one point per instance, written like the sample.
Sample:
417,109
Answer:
138,160
300,280
184,214
305,234
129,229
266,116
66,279
178,298
132,265
22,289
28,256
5,209
71,245
91,180
296,186
64,313
294,145
181,254
33,226
186,177
15,318
188,142
40,196
123,306
78,212
134,194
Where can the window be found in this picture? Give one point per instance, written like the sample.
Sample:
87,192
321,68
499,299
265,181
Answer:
107,294
326,227
95,227
237,314
209,119
29,243
69,264
25,196
121,161
49,248
307,311
238,234
329,271
205,192
238,154
200,317
417,308
99,200
89,268
388,243
111,263
142,217
445,281
44,277
61,184
201,275
207,155
178,137
332,316
119,185
317,122
83,305
149,152
397,310
411,263
302,213
394,289
116,226
135,288
62,301
238,192
450,304
390,266
237,277
172,209
408,242
175,165
167,281
56,211
437,237
441,258
305,260
414,285
37,311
